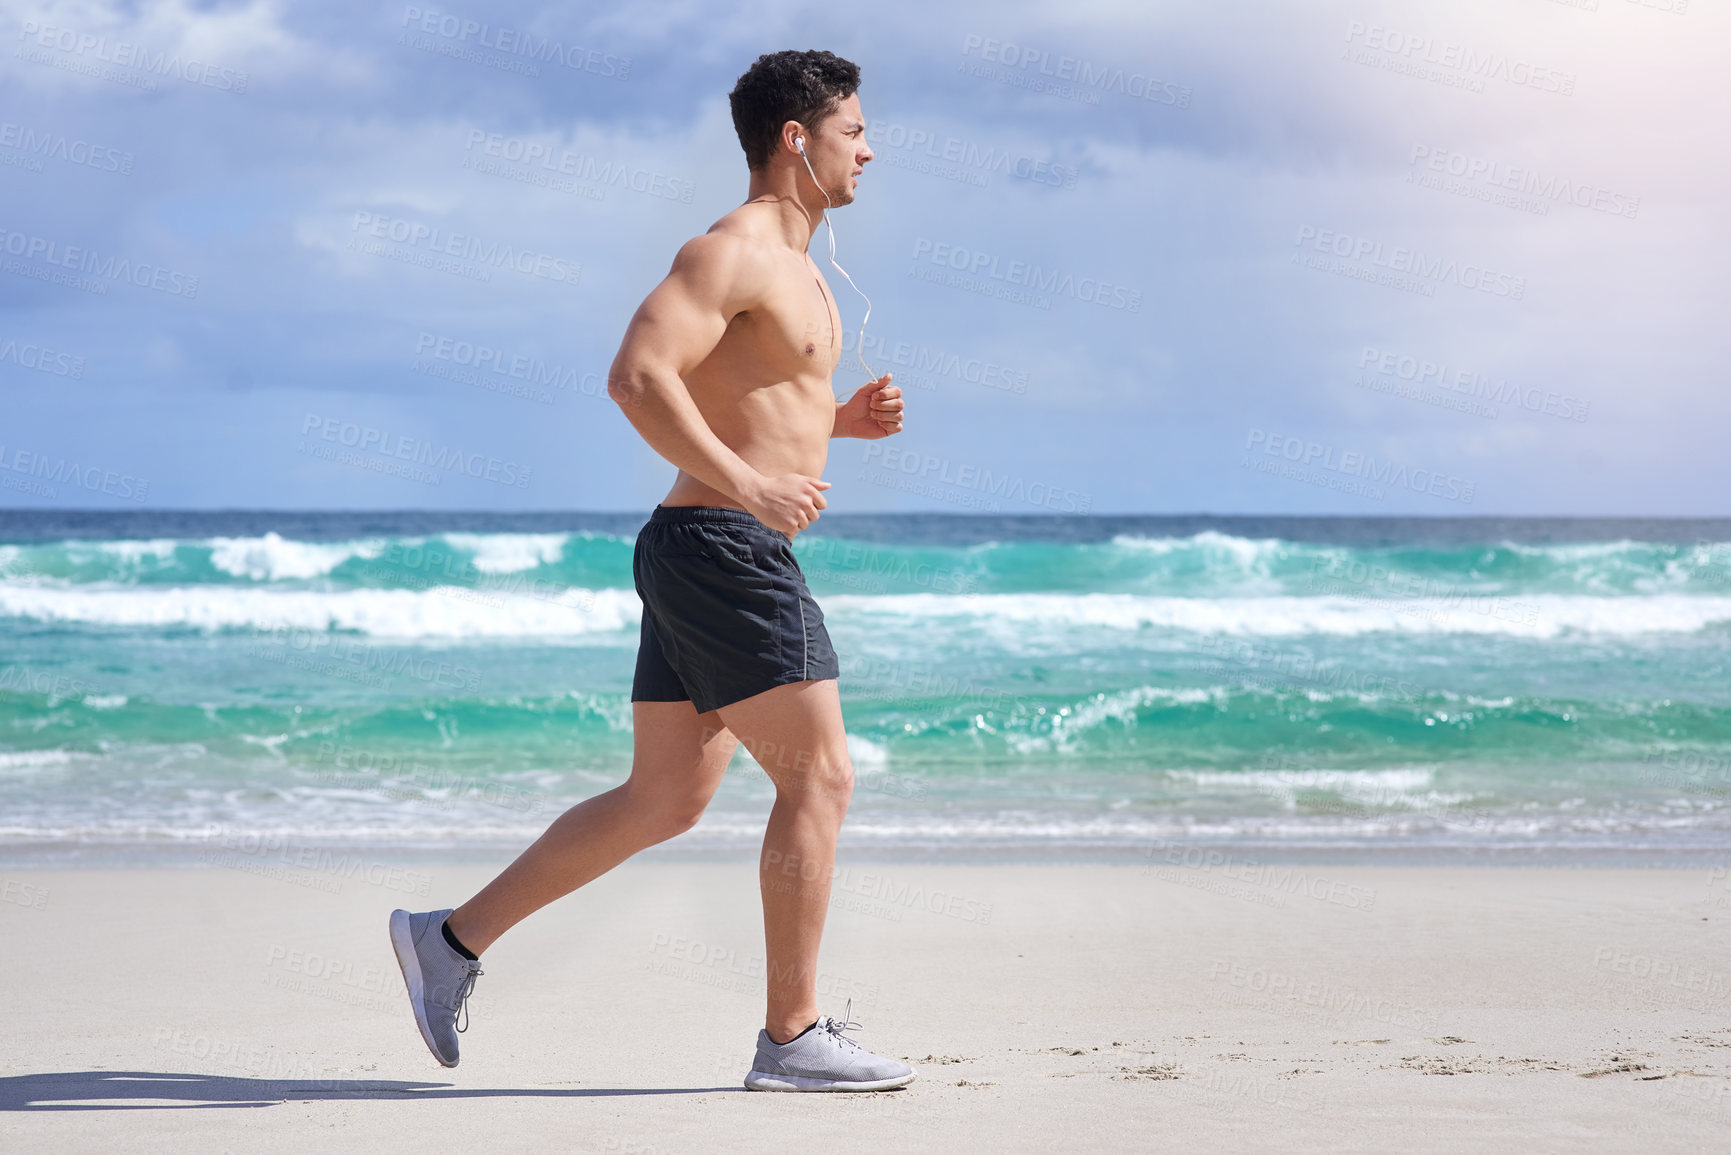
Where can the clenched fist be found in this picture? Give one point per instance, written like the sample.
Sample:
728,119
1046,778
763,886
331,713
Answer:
787,503
874,410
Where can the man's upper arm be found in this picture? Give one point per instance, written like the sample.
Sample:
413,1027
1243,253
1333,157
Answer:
684,317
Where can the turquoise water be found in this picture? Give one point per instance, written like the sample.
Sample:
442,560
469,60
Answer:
1015,685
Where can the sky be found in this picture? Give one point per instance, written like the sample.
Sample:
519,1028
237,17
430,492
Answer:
1229,256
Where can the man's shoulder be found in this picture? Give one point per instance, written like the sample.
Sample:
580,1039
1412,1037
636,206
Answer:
743,234
716,248
732,252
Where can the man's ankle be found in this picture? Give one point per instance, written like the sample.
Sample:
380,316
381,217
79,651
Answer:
782,1037
456,943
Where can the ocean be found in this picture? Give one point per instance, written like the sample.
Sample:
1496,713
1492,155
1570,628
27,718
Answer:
1552,690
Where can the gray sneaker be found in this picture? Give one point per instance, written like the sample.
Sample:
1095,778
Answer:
823,1059
439,979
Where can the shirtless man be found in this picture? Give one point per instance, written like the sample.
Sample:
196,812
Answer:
725,371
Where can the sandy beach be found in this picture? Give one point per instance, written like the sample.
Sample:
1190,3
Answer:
254,1004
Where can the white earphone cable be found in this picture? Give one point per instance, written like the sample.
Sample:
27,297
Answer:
859,350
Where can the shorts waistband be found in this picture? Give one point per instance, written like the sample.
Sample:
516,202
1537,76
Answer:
711,514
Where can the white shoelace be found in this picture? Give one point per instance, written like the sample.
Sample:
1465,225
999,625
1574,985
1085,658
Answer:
464,990
846,1024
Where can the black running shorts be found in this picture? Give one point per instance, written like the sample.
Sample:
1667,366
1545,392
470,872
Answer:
726,612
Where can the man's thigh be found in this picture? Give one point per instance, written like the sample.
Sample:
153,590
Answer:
678,752
796,734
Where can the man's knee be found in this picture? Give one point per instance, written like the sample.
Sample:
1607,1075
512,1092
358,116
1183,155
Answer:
825,781
668,815
676,822
842,779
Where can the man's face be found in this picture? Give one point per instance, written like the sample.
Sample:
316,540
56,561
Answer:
838,151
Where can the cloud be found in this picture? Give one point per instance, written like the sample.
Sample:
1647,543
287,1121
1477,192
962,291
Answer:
1103,241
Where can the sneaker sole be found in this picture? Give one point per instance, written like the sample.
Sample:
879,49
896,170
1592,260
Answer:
409,963
763,1081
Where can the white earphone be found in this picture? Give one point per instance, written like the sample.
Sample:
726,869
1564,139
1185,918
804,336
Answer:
859,350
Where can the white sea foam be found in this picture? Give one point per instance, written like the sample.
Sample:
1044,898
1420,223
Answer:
1408,788
28,761
1246,553
1009,617
158,549
1406,779
866,754
273,558
403,824
1240,563
1017,622
1583,550
510,552
348,818
1066,726
442,612
125,556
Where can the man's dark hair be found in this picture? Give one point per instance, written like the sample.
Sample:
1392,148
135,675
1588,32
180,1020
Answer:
784,86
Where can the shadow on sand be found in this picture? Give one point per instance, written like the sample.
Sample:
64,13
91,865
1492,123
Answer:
170,1090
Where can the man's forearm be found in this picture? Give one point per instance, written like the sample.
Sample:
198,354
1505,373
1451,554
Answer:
660,408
